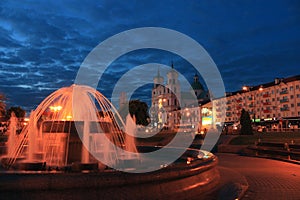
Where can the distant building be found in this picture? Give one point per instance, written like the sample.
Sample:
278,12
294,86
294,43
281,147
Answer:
279,99
170,106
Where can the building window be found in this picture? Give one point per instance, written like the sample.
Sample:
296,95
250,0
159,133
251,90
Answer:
298,95
297,86
298,104
292,105
292,96
291,88
273,99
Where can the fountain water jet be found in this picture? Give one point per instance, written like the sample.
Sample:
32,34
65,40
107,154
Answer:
62,131
12,130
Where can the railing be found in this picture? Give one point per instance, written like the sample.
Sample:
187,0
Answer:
285,109
284,100
282,129
284,151
284,92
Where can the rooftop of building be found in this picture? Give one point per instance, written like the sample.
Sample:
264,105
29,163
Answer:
276,81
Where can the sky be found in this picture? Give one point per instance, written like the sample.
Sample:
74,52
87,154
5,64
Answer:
43,43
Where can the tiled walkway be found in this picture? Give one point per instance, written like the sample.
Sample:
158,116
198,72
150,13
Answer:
267,179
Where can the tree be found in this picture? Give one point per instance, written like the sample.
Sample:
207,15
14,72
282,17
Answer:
2,104
245,121
19,112
137,108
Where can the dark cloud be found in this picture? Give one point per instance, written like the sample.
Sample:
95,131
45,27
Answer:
43,43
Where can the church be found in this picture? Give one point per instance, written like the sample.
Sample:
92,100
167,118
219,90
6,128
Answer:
171,106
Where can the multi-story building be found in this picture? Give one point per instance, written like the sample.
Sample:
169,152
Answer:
279,99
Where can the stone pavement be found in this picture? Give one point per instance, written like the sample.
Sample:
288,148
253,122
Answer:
267,179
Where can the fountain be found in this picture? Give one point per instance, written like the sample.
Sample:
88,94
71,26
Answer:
12,133
55,129
88,135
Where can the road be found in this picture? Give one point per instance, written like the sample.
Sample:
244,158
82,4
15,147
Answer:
267,179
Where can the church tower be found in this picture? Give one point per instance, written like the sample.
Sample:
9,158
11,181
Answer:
197,87
174,87
158,79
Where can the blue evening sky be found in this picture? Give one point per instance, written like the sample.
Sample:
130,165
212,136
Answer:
43,43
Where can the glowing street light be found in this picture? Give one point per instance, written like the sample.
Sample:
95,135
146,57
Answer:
245,88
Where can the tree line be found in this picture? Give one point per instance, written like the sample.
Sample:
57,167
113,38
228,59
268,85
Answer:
6,113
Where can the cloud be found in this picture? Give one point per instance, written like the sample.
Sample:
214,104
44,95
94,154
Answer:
42,44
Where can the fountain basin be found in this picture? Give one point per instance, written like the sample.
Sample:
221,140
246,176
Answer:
180,180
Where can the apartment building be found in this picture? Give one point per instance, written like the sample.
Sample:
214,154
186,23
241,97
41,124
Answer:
279,99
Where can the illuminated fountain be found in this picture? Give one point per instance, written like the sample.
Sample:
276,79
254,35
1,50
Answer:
76,129
12,133
58,135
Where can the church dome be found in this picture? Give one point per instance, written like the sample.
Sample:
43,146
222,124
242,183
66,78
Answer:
197,86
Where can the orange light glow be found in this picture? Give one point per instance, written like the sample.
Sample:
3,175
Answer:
55,108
